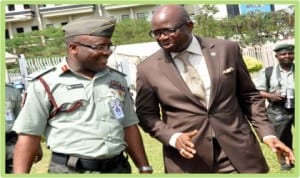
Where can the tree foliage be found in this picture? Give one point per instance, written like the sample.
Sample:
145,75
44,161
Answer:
249,29
131,31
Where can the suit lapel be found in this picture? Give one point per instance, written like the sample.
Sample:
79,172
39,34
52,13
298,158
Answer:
168,68
211,57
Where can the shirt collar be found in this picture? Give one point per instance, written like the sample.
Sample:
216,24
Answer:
192,48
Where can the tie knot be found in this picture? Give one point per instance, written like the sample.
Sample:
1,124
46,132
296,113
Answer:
184,56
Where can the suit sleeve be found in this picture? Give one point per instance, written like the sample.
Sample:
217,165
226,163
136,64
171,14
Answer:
252,104
148,109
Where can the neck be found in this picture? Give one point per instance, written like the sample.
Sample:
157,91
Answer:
78,70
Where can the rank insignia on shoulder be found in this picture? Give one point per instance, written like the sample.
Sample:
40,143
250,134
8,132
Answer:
39,73
117,85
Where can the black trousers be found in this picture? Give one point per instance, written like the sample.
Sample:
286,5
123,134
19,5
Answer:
283,121
11,139
221,162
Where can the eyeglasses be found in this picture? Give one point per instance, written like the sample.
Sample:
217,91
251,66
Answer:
165,31
100,47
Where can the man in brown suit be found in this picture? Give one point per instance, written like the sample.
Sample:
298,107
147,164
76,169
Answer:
209,133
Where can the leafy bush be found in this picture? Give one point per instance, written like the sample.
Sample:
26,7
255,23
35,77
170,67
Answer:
253,65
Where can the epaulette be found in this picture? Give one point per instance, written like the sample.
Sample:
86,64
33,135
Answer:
39,73
115,70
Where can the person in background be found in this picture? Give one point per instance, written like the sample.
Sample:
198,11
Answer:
276,84
12,108
196,97
13,102
83,108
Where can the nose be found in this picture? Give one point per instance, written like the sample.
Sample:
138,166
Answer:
162,36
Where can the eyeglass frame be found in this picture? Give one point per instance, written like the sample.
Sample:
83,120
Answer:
166,31
100,47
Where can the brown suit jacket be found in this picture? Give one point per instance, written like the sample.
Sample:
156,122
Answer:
234,102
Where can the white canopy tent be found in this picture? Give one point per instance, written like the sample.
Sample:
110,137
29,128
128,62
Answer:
9,59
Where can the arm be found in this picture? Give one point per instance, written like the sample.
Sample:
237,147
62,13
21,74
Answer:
25,152
135,147
39,155
148,108
250,100
274,97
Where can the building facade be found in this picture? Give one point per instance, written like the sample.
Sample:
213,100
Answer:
21,18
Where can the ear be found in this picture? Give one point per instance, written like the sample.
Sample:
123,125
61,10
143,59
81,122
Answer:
190,25
73,48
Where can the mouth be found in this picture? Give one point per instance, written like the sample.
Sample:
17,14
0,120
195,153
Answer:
166,44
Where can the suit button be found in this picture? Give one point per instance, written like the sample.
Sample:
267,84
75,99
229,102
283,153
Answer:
209,139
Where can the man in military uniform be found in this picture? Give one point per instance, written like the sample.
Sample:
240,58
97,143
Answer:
276,84
83,108
12,108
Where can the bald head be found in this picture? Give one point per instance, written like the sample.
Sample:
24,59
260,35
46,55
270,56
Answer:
168,12
172,27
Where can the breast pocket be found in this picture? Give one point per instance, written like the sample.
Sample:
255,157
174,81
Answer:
71,103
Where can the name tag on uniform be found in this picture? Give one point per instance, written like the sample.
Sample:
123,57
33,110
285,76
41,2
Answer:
117,109
79,85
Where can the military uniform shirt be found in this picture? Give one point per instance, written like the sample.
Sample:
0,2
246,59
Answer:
286,80
12,106
94,130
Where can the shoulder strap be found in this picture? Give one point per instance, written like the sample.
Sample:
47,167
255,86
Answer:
51,98
268,73
57,108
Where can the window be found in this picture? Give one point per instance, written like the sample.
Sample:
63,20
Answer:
141,15
6,34
20,30
11,7
33,28
49,25
232,10
26,6
124,17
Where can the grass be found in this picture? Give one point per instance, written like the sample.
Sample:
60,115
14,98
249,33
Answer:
154,153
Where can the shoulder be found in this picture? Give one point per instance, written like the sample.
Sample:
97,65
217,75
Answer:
40,73
115,71
211,42
153,58
8,85
10,90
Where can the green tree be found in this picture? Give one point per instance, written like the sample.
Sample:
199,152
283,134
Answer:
131,31
249,29
206,23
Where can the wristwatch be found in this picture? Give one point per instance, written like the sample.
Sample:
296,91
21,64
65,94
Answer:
145,168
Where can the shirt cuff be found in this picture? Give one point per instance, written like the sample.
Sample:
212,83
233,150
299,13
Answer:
173,139
268,136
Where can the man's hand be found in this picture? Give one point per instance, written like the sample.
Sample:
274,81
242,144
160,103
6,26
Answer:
184,144
275,97
281,150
